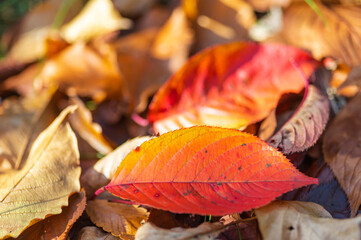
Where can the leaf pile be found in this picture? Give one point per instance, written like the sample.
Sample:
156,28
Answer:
184,119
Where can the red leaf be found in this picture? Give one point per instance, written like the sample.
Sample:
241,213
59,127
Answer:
205,170
229,85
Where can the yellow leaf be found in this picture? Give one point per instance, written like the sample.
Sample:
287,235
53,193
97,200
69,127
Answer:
50,174
97,18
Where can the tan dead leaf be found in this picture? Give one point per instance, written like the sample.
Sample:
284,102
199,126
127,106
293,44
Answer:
220,22
143,73
340,38
94,233
82,122
205,231
97,18
21,121
84,70
57,226
35,27
174,40
304,220
342,150
133,8
50,174
119,219
102,172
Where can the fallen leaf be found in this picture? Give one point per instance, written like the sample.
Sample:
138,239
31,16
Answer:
94,233
57,226
81,120
119,219
268,126
144,80
205,170
341,148
304,220
85,70
50,174
174,40
21,121
97,18
220,22
103,170
205,231
339,38
223,86
331,196
305,126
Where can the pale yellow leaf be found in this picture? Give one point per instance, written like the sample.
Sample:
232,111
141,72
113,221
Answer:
97,18
302,221
50,174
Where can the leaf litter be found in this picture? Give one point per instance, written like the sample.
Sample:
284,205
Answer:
115,69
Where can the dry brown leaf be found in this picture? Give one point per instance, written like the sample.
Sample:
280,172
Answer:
305,126
119,219
352,83
57,226
220,22
143,73
85,70
342,150
94,233
268,126
174,40
97,18
340,38
303,220
205,231
21,121
102,172
50,174
82,122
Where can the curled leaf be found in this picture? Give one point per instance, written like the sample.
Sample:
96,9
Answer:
205,170
306,125
223,86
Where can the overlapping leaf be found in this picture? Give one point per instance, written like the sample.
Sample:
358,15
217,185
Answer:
304,220
205,170
342,150
224,86
43,185
306,125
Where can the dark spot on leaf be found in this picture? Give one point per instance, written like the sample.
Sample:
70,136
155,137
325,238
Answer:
219,183
156,195
240,168
287,132
214,202
206,151
225,177
136,191
137,149
243,144
272,141
268,165
291,228
232,201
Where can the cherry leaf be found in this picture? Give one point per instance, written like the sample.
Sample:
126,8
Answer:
306,125
205,170
223,86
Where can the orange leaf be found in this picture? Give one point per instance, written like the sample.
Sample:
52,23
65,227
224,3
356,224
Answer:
229,85
205,170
